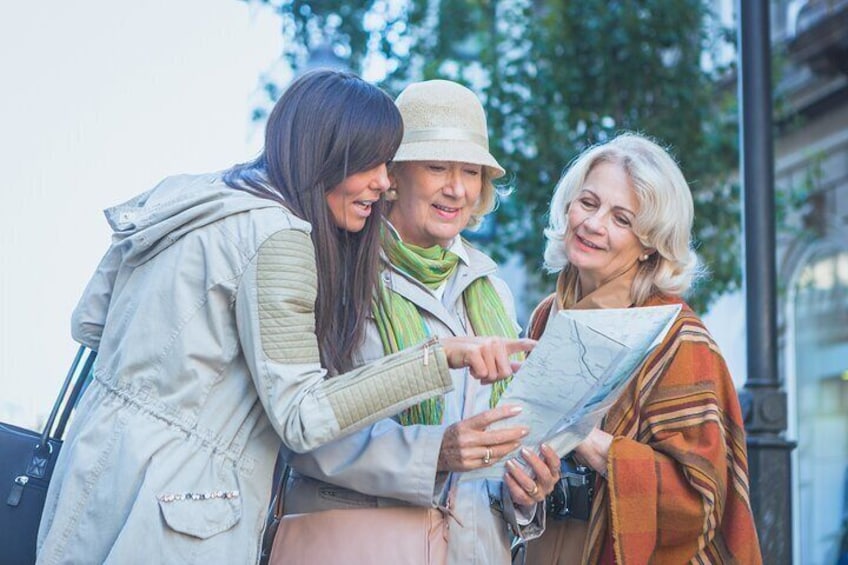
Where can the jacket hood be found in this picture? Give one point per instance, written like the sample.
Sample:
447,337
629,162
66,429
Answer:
152,221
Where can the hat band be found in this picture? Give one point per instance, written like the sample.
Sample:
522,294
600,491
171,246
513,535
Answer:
445,134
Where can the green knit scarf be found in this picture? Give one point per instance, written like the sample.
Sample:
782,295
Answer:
401,325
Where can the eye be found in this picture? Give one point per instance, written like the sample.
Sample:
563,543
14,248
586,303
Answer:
473,171
588,203
436,167
622,220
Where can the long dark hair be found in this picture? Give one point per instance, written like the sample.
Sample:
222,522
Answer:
327,126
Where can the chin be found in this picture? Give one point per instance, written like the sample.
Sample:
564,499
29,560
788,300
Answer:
353,227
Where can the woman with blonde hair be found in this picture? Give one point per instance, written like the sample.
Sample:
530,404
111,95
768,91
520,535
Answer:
434,283
669,459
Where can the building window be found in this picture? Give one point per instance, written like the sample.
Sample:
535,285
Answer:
821,369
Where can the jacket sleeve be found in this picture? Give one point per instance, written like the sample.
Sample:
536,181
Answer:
275,313
386,460
684,481
89,316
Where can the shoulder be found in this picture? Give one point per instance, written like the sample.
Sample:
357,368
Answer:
482,266
687,318
478,261
688,341
267,225
501,287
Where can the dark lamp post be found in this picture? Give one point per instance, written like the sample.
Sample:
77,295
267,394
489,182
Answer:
763,401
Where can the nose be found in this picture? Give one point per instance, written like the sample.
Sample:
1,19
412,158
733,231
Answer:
595,223
455,186
381,181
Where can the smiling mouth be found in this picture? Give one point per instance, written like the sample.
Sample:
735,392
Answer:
446,209
588,243
364,204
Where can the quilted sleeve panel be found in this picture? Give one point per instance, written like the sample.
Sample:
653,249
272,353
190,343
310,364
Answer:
275,306
287,287
379,389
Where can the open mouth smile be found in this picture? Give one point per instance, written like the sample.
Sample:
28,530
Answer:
446,210
588,243
364,205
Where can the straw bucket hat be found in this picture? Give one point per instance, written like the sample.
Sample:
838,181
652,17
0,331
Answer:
444,121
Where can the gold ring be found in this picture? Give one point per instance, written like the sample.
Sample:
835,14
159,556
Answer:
534,491
488,457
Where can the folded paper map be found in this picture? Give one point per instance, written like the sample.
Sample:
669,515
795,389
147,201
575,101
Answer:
576,372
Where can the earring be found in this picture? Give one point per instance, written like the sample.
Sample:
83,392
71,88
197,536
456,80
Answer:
644,257
391,195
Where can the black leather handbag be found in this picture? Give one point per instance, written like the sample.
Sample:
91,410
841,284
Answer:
27,459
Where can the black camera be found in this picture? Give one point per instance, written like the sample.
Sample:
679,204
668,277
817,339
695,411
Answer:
572,495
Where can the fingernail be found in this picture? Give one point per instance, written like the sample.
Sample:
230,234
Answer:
515,409
525,452
509,463
525,431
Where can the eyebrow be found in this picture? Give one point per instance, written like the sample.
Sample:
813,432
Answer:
621,208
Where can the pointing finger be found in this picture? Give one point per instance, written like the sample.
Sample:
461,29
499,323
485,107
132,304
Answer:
516,345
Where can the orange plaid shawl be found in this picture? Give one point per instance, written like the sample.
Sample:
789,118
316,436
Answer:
677,486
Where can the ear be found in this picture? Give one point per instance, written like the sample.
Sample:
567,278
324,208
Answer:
646,253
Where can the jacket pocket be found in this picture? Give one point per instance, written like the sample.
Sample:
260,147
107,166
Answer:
201,514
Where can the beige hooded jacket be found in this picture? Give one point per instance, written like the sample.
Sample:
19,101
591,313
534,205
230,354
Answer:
202,312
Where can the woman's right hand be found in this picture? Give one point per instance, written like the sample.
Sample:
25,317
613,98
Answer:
486,357
469,445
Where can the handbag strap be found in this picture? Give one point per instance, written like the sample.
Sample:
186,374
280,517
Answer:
83,379
281,488
43,448
539,317
280,495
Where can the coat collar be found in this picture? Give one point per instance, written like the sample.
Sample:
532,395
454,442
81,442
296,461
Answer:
478,265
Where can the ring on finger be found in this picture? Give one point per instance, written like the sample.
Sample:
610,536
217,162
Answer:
534,490
488,457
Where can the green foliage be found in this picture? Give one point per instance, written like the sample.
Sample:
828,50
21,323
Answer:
555,77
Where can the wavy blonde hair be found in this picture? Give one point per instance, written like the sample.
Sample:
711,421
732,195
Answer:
664,221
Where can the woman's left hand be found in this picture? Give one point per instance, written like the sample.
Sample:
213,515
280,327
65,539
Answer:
594,451
526,490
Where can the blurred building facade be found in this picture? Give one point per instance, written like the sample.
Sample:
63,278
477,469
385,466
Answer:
810,40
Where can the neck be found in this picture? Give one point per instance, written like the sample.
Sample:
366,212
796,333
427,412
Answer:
589,284
612,292
406,239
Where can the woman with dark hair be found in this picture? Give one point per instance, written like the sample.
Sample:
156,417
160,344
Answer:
223,303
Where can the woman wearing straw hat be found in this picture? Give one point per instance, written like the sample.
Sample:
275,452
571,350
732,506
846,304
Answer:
435,284
218,311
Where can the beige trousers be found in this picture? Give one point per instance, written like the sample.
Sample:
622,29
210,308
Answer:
561,544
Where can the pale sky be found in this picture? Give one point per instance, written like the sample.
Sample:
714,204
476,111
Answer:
100,101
